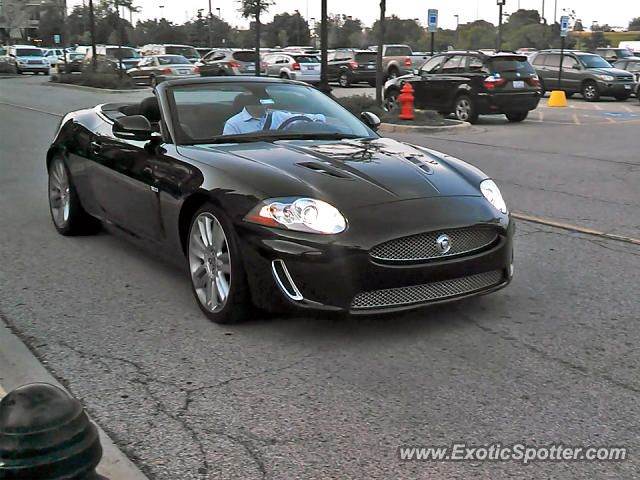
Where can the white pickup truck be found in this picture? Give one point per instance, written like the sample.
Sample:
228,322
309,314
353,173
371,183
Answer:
399,60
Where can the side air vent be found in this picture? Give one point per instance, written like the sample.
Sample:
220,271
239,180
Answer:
284,280
318,167
420,164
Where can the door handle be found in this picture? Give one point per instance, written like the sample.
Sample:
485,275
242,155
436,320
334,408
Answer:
96,147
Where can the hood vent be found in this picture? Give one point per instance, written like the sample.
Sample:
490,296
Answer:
420,164
318,167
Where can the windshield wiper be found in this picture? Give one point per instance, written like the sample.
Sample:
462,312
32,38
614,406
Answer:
273,136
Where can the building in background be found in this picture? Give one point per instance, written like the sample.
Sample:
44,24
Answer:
19,20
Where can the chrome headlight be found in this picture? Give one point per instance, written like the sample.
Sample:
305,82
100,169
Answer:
491,192
299,213
606,78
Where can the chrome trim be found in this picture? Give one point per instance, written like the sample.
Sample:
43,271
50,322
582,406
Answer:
296,295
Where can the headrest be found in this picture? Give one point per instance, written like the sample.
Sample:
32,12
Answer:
149,108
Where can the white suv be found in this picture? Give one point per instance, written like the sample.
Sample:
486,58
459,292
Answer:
27,58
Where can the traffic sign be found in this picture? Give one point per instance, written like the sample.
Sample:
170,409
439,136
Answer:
433,20
501,2
564,26
56,38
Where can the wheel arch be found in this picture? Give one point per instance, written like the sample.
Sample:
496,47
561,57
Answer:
189,207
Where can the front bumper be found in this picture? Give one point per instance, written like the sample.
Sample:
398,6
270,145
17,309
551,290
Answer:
332,272
508,102
616,89
363,75
34,68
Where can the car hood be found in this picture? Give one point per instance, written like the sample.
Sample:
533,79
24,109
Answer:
353,172
609,71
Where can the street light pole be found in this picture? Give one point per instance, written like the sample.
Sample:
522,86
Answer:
457,25
555,11
210,30
92,31
324,79
500,5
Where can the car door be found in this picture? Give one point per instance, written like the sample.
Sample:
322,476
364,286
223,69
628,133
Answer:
540,68
570,81
122,182
552,66
431,89
332,65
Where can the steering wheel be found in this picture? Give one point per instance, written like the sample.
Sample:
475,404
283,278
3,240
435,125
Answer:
297,118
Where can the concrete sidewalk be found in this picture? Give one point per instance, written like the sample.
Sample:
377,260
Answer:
18,366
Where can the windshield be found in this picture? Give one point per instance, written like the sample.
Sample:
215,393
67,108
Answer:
510,64
172,60
188,52
127,52
623,53
594,61
244,56
208,113
28,52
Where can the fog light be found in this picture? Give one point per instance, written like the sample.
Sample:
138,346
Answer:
511,270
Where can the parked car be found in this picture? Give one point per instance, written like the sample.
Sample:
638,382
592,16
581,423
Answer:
613,54
54,55
74,62
469,84
4,55
582,72
399,60
631,45
27,58
631,65
294,66
187,51
157,68
352,66
311,212
202,51
229,62
108,57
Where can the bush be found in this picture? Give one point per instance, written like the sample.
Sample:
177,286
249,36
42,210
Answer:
97,80
364,103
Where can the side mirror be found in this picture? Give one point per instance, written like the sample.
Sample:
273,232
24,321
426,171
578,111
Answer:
416,71
371,120
576,67
132,127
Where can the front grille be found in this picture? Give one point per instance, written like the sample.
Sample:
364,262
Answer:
35,62
428,292
625,78
424,246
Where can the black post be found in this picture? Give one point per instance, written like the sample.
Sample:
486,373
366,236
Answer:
209,25
379,72
257,62
561,59
324,45
92,30
499,28
433,35
119,32
63,38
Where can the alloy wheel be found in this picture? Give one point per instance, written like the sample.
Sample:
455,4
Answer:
59,193
463,109
210,262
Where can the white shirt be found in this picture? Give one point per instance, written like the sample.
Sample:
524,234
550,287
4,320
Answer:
244,122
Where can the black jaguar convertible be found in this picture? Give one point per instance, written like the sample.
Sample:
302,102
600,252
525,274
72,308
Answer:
278,198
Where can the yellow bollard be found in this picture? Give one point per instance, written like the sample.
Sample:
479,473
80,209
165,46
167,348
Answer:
557,99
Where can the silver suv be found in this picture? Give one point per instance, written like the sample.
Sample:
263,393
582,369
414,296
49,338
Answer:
27,58
296,66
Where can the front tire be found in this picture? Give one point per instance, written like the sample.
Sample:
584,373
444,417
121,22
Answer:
590,91
516,116
391,103
218,278
67,213
344,80
464,109
622,98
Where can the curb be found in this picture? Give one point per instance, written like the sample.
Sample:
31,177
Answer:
94,89
398,128
19,366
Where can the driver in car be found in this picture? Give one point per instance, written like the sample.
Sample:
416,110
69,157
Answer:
255,115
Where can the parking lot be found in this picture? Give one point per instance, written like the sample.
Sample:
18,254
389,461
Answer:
551,358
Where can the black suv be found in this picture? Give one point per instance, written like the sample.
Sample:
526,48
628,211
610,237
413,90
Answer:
352,66
582,72
471,84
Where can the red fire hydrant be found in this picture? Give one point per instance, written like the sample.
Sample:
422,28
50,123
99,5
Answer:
406,101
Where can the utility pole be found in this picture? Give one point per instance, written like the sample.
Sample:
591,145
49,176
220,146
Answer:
555,11
257,61
379,72
210,29
92,30
500,5
542,14
119,33
457,25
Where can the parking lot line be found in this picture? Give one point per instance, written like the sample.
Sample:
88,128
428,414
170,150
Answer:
575,119
597,107
575,228
2,392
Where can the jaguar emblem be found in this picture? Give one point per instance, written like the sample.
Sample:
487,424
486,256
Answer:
443,244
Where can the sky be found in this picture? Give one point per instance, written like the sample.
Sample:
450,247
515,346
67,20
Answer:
616,13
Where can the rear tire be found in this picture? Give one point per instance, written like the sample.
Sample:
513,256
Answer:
464,109
218,279
284,76
590,91
516,116
543,90
393,73
390,103
344,80
67,213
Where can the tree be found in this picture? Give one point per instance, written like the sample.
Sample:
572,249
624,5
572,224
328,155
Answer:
595,40
405,31
286,29
478,34
51,22
634,24
578,27
253,9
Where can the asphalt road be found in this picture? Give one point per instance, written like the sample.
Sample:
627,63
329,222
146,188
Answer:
551,359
